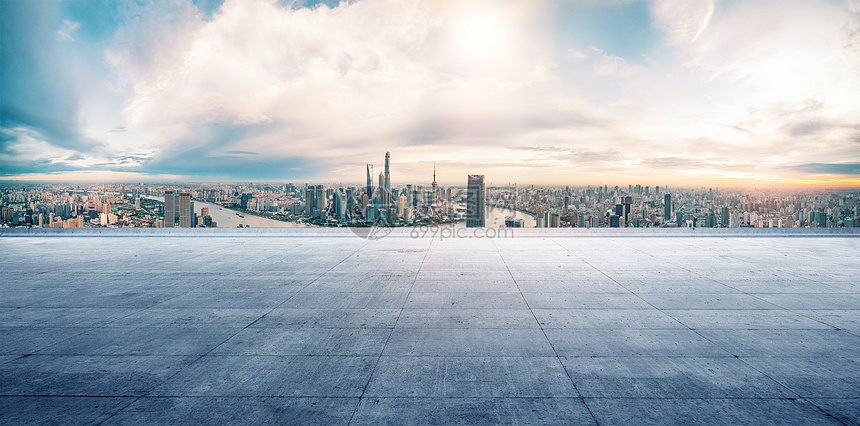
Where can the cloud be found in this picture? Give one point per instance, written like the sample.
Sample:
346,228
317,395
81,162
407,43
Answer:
572,155
683,20
835,168
808,128
576,54
322,81
674,163
37,92
612,66
67,31
782,53
313,90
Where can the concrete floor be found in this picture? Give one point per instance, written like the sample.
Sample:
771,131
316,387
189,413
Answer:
342,330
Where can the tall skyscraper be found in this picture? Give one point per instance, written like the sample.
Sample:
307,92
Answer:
667,207
320,201
416,198
369,188
724,217
819,219
434,185
475,202
339,199
401,205
710,220
309,199
541,220
386,194
627,203
175,206
350,202
185,209
169,200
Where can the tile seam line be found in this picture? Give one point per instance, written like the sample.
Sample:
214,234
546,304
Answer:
182,368
694,356
800,397
557,357
419,397
290,297
778,308
234,355
390,333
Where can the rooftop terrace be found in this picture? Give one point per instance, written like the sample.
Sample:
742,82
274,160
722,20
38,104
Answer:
321,326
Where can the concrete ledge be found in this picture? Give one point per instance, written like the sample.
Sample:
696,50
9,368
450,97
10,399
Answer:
441,232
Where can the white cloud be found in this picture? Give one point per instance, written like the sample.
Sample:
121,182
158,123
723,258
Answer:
341,85
683,20
68,29
576,54
759,65
366,76
613,66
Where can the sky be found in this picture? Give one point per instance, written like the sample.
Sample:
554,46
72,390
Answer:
729,93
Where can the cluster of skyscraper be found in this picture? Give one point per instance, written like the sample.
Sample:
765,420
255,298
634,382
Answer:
378,205
178,207
103,205
384,204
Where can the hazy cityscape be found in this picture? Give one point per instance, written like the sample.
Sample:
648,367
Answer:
142,205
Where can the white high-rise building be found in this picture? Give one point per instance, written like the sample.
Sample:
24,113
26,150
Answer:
735,220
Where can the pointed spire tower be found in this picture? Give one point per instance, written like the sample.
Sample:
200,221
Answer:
369,190
386,182
434,185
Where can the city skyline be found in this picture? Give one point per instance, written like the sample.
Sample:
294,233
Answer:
680,93
146,205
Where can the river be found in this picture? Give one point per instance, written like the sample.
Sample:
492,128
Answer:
226,218
494,217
